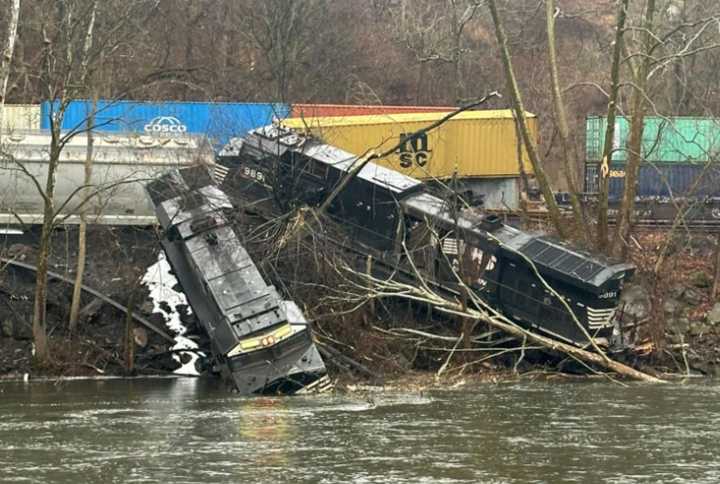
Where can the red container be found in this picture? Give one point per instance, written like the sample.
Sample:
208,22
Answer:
319,110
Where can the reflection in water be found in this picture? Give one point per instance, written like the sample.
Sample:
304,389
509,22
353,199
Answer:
193,431
266,425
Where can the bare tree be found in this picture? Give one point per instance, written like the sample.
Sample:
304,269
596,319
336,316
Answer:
519,111
7,54
82,229
607,152
569,156
638,109
282,31
70,51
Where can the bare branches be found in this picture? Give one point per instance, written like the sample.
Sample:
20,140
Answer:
387,288
6,56
519,111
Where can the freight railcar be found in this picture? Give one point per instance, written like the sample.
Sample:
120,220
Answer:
18,117
261,344
381,210
680,163
121,164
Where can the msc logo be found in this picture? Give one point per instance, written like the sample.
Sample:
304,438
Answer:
413,149
165,125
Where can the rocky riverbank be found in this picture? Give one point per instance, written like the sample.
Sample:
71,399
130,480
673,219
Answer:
672,305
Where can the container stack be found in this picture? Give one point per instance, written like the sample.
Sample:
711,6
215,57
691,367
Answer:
680,157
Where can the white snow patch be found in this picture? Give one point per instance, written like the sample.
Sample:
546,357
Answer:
160,282
293,313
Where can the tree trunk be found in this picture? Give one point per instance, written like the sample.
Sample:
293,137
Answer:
129,337
569,155
7,55
637,125
604,179
82,229
42,349
519,111
716,278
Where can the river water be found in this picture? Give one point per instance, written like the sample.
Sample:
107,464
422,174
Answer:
190,430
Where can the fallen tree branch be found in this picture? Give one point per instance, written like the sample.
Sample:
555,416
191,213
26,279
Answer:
495,319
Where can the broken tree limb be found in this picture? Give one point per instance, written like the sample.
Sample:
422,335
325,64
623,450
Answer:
390,288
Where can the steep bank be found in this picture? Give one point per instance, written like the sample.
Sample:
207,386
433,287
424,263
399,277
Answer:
677,303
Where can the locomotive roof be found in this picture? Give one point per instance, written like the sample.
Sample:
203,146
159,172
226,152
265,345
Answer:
392,180
219,259
276,141
572,265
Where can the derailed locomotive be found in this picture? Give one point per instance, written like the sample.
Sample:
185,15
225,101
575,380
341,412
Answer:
394,218
260,343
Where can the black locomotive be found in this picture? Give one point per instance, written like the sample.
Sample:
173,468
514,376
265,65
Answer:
260,343
394,217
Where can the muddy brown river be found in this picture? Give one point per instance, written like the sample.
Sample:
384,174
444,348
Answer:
187,430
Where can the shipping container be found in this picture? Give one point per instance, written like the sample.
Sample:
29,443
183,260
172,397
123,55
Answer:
20,117
479,148
122,164
320,110
473,144
661,181
218,121
665,140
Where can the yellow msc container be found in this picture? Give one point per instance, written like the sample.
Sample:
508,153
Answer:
473,144
21,117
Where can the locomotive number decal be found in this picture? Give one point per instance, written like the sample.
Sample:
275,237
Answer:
413,150
477,256
253,174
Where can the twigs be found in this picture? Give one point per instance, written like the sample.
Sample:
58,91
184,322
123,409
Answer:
483,312
450,355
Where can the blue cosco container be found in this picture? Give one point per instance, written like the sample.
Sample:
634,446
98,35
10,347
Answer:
219,121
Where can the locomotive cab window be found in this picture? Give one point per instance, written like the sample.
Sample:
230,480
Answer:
318,170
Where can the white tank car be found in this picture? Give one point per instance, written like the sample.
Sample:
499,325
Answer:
122,164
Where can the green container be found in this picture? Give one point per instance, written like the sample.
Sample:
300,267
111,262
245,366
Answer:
675,140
